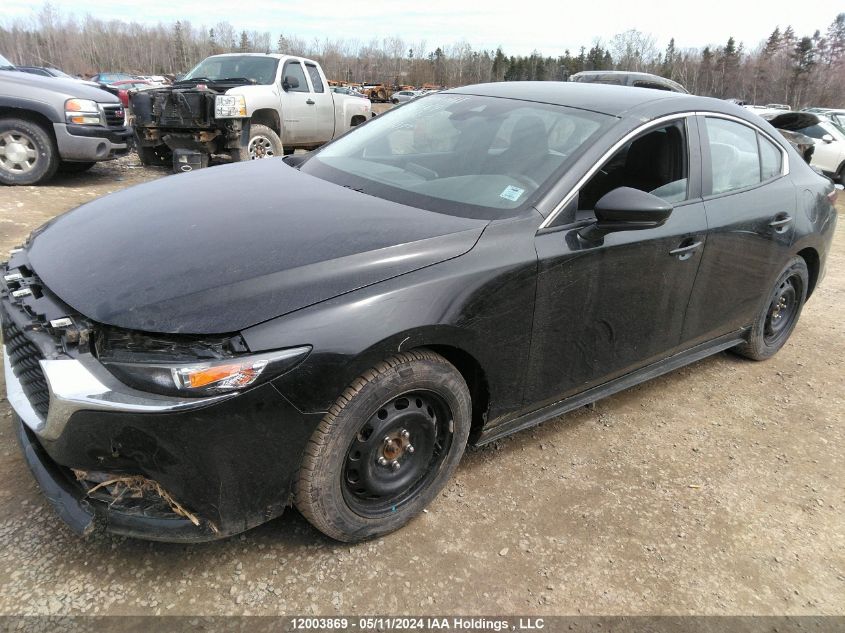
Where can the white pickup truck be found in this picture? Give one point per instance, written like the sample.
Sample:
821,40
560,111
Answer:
246,105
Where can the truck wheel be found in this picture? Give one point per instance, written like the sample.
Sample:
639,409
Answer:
28,155
263,143
386,448
69,167
158,156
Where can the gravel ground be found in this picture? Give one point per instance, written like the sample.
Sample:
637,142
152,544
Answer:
717,489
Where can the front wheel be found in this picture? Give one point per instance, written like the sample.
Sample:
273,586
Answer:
28,154
773,326
386,448
263,143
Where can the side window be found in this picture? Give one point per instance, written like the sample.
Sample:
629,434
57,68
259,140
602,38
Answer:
771,158
734,158
814,131
656,162
294,70
315,77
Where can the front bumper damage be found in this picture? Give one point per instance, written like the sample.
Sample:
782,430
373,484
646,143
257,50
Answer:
110,457
183,118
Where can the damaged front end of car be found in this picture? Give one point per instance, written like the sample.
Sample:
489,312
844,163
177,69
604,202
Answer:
161,437
191,118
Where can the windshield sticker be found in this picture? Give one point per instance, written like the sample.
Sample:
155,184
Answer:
512,193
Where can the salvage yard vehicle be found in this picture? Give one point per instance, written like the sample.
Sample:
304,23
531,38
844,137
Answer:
405,95
50,124
187,357
828,153
246,105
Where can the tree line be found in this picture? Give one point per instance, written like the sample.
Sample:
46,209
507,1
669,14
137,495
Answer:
785,68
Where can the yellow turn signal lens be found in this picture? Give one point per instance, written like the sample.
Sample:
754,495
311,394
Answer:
226,375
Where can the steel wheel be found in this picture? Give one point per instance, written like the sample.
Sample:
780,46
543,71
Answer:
261,147
386,448
396,452
783,309
777,316
18,152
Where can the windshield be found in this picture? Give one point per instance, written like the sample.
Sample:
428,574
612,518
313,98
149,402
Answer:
260,69
5,63
460,154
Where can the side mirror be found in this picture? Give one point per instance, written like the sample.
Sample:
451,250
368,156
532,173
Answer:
627,209
827,138
290,83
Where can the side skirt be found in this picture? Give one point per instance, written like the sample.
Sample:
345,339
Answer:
648,372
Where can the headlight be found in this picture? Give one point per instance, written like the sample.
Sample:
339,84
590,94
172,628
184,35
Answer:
229,107
82,112
207,378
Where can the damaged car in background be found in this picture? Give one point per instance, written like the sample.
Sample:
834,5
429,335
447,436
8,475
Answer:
246,106
463,267
818,139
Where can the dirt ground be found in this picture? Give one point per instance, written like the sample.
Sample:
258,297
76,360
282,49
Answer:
717,489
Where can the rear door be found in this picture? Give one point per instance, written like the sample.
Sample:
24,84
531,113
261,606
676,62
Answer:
750,203
323,104
300,116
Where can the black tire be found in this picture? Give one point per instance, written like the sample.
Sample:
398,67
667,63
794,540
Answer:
155,156
840,175
263,143
347,487
28,154
70,167
773,326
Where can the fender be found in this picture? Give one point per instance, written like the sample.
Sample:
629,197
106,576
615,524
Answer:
44,109
465,304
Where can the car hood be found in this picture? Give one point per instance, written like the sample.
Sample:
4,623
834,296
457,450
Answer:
69,87
225,248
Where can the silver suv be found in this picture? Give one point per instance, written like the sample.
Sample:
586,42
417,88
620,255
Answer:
50,124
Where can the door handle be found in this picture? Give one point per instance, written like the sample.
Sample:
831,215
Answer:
685,250
781,220
309,101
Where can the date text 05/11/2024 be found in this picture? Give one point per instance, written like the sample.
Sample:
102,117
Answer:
417,623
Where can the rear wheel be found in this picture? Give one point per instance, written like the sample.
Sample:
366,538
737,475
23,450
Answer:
386,448
28,154
775,323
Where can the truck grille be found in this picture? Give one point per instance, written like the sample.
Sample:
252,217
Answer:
114,115
23,357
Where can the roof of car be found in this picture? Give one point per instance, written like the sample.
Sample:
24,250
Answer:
613,100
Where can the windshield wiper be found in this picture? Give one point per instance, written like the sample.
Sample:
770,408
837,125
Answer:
194,80
246,79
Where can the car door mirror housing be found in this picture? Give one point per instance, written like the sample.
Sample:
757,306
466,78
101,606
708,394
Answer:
827,138
290,83
627,209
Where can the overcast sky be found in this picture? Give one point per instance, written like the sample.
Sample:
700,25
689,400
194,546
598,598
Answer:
518,27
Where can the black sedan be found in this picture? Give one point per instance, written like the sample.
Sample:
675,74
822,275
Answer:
187,358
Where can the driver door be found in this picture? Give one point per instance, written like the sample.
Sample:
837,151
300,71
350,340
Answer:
300,116
606,308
